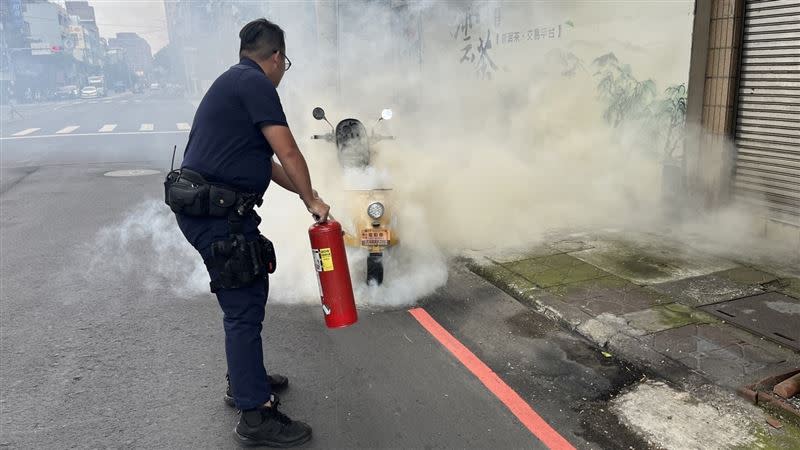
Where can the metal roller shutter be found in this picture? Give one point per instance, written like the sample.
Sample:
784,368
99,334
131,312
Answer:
768,114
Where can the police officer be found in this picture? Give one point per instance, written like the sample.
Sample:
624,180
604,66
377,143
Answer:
238,127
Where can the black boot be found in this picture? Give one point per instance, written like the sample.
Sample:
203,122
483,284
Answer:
266,426
277,382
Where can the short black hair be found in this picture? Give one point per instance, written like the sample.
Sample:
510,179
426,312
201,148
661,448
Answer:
260,38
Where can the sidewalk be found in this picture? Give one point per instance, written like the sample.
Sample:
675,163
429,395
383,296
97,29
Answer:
680,314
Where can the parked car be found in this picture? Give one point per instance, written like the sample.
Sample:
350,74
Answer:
67,92
89,92
98,82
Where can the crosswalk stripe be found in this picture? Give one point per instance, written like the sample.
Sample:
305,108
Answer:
137,101
106,101
107,128
123,101
26,132
183,126
93,102
68,129
146,127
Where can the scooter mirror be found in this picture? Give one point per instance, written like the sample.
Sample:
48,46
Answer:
386,114
318,113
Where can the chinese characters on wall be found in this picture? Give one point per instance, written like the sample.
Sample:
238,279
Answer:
476,43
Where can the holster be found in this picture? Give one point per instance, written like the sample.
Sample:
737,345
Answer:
239,263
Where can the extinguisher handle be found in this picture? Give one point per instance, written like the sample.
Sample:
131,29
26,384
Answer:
316,218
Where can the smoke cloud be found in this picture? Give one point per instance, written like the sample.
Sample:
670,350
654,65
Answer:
147,246
563,123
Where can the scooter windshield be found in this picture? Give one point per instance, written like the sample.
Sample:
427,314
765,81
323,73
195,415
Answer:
352,142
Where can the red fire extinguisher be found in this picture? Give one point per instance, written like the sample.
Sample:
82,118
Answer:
333,273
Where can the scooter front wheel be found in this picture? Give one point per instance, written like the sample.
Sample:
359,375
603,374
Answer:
375,268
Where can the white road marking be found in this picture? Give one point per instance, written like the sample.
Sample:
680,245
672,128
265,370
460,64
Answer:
107,101
108,128
146,127
93,102
126,133
68,129
137,101
183,126
123,101
26,132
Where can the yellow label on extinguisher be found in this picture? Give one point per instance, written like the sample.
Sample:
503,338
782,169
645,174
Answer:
326,258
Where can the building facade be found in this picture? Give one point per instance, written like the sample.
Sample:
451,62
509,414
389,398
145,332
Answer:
138,54
85,34
743,91
44,46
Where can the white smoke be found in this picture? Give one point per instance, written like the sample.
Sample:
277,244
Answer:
476,163
147,246
413,269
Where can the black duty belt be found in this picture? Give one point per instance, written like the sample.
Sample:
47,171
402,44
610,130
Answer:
187,192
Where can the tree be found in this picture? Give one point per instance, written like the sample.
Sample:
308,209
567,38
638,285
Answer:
669,118
627,97
165,58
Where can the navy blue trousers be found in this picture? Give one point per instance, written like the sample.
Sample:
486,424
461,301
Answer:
243,310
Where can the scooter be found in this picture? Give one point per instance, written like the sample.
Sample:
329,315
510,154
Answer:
374,223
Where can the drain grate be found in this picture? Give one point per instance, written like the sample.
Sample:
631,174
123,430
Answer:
772,315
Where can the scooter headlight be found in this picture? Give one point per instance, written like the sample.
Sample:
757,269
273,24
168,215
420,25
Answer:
375,210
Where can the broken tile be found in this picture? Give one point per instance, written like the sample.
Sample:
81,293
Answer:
609,294
747,275
665,317
706,290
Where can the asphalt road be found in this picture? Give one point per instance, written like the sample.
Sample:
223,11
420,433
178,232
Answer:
93,357
126,127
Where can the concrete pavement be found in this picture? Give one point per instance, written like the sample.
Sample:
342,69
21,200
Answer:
670,309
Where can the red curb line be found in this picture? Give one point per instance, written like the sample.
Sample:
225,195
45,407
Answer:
532,421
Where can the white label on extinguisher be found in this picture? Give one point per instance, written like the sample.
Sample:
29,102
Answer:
319,285
319,265
317,260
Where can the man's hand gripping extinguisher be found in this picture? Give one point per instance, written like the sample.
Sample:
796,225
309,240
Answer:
333,273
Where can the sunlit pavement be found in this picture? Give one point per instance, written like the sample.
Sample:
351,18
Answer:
97,356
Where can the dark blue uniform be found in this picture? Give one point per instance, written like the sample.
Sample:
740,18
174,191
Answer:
226,146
